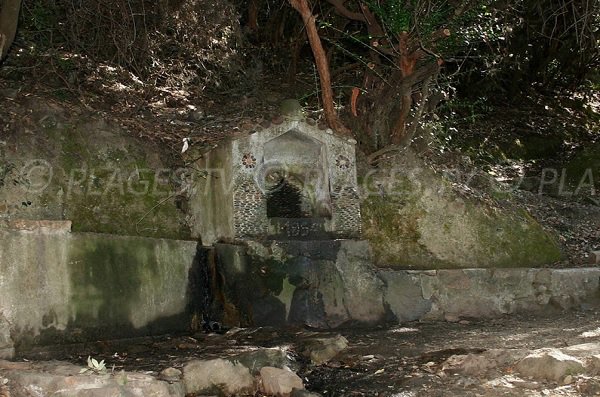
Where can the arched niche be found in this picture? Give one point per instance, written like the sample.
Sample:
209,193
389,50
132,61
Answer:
297,178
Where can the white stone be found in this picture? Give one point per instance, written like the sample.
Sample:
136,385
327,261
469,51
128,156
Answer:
279,382
60,379
549,364
204,376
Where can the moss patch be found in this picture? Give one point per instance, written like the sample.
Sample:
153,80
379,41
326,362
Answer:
106,278
102,179
426,225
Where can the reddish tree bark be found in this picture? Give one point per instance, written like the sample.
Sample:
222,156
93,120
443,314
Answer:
322,66
253,16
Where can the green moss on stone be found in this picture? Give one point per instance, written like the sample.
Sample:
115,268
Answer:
106,278
428,226
119,192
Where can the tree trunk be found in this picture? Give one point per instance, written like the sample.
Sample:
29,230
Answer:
322,66
9,18
252,24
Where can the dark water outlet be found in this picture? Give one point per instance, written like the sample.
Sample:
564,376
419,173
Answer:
285,201
203,290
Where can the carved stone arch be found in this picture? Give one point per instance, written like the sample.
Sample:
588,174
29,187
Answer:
299,179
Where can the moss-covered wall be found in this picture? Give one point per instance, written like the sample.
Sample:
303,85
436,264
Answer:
414,219
58,286
58,164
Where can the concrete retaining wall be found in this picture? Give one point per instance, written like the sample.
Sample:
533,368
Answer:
477,293
57,286
61,286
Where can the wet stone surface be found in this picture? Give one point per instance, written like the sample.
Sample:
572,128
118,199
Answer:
466,358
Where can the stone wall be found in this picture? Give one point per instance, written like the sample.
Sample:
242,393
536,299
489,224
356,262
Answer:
327,284
321,284
59,286
59,163
486,293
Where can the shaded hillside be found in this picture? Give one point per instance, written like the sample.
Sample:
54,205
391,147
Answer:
205,78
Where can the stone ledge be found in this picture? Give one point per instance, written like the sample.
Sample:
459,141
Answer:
487,293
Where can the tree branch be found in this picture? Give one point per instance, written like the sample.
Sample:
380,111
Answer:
322,66
345,12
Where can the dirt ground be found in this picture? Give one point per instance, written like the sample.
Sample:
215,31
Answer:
407,360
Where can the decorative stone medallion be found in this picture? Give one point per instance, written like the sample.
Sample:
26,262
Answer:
248,160
343,162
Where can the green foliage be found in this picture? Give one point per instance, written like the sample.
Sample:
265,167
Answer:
169,43
94,366
394,14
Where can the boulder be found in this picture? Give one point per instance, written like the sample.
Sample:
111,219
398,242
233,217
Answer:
217,376
321,350
170,374
549,364
480,364
64,380
279,382
264,357
414,218
593,364
468,364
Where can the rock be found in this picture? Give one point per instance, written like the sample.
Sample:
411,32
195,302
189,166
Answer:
593,364
567,380
549,364
321,350
217,376
583,350
505,357
469,364
257,359
594,258
279,382
589,387
480,364
64,380
170,375
472,234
